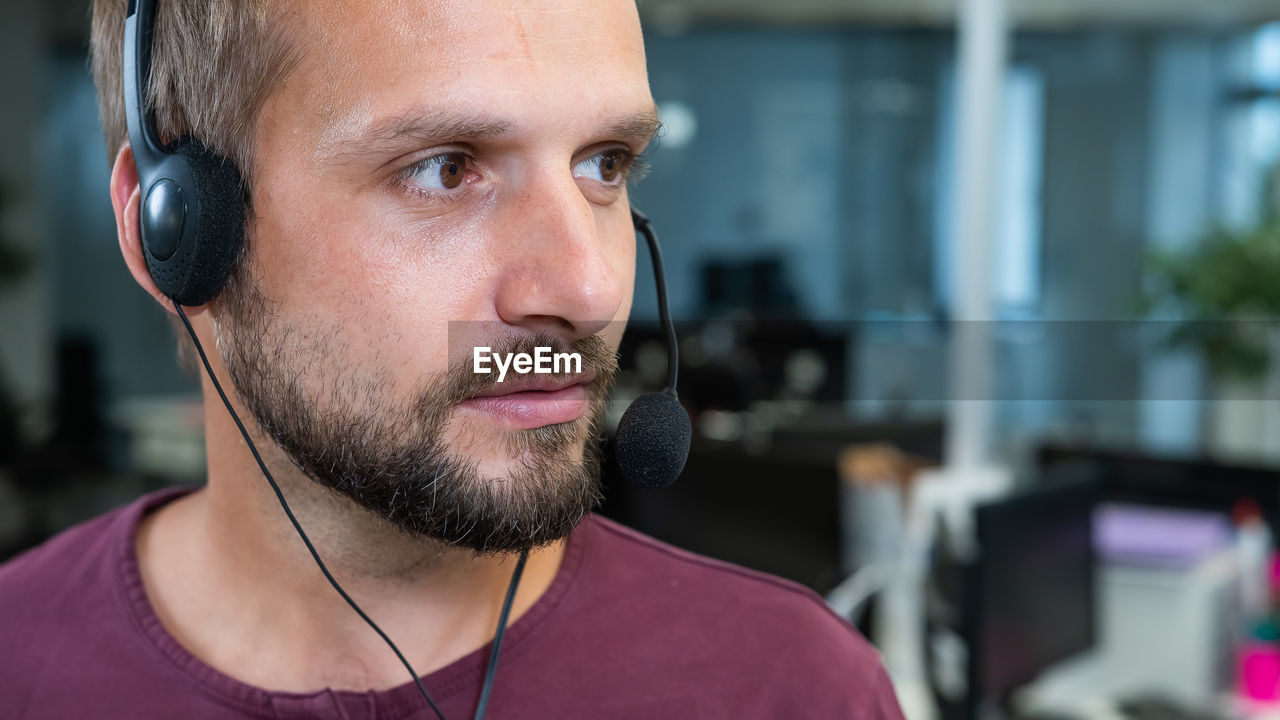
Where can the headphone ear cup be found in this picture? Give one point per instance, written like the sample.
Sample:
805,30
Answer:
199,268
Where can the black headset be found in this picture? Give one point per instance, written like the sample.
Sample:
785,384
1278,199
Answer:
193,199
192,223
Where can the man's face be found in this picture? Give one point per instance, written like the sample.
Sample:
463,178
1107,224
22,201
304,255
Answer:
436,176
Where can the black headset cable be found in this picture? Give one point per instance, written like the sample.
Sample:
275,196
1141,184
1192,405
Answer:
490,672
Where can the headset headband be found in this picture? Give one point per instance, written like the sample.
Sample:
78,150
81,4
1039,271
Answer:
193,201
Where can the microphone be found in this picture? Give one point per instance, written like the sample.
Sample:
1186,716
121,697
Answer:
653,440
654,433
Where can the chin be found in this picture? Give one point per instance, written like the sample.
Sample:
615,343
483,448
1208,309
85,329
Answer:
503,455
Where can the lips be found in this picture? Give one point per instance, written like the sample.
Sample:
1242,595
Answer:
531,402
533,383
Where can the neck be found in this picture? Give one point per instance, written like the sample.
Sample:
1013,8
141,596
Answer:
234,583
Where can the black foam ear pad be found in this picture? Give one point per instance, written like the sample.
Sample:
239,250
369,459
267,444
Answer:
214,232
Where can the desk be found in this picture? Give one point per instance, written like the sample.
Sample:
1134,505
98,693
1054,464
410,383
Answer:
1167,632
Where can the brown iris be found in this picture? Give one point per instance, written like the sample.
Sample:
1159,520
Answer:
611,166
452,170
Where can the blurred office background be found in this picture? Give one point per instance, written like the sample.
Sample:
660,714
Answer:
1070,516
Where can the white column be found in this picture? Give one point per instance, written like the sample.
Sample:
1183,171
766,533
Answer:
968,476
983,42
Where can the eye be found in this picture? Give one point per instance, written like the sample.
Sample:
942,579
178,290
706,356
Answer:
609,167
446,171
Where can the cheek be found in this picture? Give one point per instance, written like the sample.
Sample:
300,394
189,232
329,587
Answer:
625,270
621,257
386,287
623,261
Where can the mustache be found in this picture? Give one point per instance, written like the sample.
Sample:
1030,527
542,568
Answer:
599,361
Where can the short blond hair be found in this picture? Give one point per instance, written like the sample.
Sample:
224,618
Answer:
214,63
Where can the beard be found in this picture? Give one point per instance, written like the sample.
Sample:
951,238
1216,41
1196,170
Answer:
350,434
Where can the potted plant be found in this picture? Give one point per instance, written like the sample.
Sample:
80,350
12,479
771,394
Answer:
1226,293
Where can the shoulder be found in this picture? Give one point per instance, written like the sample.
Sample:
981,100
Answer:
670,572
64,593
63,606
67,559
700,589
738,622
81,550
79,566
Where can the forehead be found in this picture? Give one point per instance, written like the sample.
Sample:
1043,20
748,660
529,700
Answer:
529,61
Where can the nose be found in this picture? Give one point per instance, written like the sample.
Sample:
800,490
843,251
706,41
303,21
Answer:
558,278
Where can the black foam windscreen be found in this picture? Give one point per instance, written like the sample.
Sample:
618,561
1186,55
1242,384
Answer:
653,440
198,270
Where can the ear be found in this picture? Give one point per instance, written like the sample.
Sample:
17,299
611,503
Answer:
126,198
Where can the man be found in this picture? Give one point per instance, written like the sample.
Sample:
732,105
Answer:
425,178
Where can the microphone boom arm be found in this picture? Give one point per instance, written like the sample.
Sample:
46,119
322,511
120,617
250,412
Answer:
664,312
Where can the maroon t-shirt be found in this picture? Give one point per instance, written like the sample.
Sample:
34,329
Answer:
630,628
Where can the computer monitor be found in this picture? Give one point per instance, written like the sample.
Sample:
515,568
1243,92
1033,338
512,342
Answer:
1030,594
1198,483
779,515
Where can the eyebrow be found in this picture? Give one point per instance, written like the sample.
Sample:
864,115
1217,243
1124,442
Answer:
430,127
639,128
393,133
